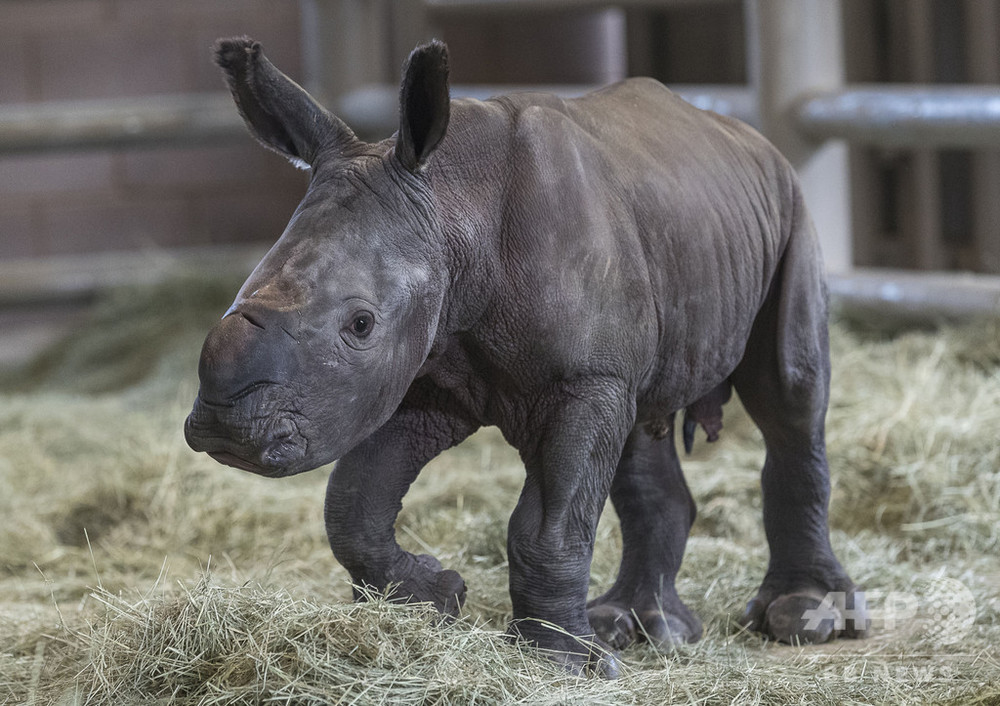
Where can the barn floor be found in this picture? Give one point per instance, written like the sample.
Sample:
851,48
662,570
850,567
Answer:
135,571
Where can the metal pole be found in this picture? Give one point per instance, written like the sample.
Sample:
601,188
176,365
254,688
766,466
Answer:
795,46
983,28
346,44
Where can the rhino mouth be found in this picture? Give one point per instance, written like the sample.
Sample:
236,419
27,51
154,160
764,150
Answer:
229,459
268,444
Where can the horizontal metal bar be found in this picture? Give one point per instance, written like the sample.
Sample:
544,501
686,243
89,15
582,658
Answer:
372,111
916,296
494,6
735,101
95,124
210,117
901,295
884,115
73,279
904,116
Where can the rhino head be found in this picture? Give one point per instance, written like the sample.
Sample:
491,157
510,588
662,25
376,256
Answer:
328,332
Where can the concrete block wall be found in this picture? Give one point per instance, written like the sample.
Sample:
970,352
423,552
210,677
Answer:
128,199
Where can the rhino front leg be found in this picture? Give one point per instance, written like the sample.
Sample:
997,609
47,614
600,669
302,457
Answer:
656,512
364,496
570,460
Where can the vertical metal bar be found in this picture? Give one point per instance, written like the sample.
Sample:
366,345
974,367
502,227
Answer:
983,32
795,46
409,26
344,46
862,65
920,200
613,59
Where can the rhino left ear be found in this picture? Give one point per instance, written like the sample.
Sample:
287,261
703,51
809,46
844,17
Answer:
278,112
424,104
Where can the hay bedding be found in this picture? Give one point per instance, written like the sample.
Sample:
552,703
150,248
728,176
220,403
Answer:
134,571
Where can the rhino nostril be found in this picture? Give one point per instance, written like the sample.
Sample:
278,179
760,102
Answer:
283,449
253,320
239,354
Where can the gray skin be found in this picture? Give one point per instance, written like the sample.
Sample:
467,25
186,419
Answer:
573,272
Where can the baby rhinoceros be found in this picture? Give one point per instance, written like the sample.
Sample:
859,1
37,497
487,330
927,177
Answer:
574,272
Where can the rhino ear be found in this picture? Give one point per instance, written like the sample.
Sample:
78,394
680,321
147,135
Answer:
424,104
279,112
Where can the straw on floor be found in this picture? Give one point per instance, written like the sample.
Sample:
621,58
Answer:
135,571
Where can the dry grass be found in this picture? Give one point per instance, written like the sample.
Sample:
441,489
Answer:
133,571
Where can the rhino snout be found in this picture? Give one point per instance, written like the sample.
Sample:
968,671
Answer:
239,418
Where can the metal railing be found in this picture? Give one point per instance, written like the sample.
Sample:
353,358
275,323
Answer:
883,115
799,112
128,122
904,116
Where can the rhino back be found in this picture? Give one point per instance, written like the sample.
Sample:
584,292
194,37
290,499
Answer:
713,204
624,233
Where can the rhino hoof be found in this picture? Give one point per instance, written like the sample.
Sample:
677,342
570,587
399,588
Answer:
449,592
614,625
599,663
790,619
664,631
808,616
583,657
428,582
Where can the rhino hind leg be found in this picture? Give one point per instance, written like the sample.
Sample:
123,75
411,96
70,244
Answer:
783,382
806,596
656,511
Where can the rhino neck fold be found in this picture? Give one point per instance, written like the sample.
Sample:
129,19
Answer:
469,176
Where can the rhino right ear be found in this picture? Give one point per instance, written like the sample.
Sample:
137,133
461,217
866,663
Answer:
424,104
280,113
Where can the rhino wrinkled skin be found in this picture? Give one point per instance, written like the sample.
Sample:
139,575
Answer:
574,272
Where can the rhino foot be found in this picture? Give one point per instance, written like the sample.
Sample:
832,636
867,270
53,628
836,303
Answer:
811,615
421,579
663,628
598,661
580,656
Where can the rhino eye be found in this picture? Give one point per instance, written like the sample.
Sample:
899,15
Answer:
361,326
